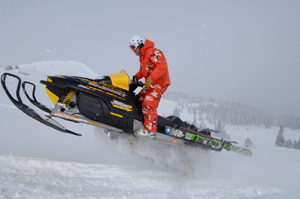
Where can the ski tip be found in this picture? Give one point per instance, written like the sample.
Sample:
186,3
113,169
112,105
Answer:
247,153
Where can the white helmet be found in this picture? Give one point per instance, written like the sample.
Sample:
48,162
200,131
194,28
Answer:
136,41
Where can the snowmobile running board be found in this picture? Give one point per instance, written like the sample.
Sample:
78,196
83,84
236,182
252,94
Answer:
27,110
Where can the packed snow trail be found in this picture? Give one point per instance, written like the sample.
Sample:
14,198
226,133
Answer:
39,178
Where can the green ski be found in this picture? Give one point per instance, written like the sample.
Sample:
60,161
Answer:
218,145
205,140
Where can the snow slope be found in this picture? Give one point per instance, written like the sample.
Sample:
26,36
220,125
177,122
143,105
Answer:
39,162
40,178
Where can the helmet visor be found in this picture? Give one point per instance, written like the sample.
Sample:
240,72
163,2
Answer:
132,47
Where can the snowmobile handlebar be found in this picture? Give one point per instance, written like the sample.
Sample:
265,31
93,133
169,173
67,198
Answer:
133,85
134,82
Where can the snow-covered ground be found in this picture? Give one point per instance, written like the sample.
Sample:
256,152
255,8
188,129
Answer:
39,162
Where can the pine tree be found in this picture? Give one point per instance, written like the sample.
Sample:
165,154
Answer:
289,144
202,125
176,112
298,145
249,143
280,141
195,121
295,144
222,132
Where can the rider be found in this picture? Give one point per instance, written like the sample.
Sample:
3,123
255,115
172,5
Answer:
154,68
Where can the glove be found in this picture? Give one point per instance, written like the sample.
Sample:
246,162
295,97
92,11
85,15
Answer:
148,83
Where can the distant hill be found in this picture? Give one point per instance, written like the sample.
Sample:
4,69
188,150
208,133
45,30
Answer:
230,113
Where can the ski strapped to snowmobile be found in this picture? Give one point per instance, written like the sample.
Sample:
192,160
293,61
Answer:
203,137
110,103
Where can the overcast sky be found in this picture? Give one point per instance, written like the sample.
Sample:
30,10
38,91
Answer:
238,51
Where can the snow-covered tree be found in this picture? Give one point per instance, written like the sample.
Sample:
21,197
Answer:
280,141
202,125
289,143
222,132
176,112
249,143
195,121
297,144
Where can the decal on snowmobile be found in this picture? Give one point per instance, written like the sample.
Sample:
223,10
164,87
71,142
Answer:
121,105
90,87
59,76
115,114
105,87
175,140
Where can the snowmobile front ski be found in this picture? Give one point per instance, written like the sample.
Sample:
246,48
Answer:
27,110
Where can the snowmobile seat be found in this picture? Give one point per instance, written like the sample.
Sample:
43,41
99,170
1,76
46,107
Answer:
171,120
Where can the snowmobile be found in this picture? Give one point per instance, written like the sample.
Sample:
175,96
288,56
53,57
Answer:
109,102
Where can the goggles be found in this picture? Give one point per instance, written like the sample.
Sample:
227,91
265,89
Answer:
132,47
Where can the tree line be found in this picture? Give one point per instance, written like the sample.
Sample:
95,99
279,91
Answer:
227,112
288,143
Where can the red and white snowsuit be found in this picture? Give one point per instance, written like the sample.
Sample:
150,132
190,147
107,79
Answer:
154,66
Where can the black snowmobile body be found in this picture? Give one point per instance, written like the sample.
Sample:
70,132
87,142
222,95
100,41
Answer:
101,101
109,102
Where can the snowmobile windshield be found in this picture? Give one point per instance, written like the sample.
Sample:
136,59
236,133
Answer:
120,80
